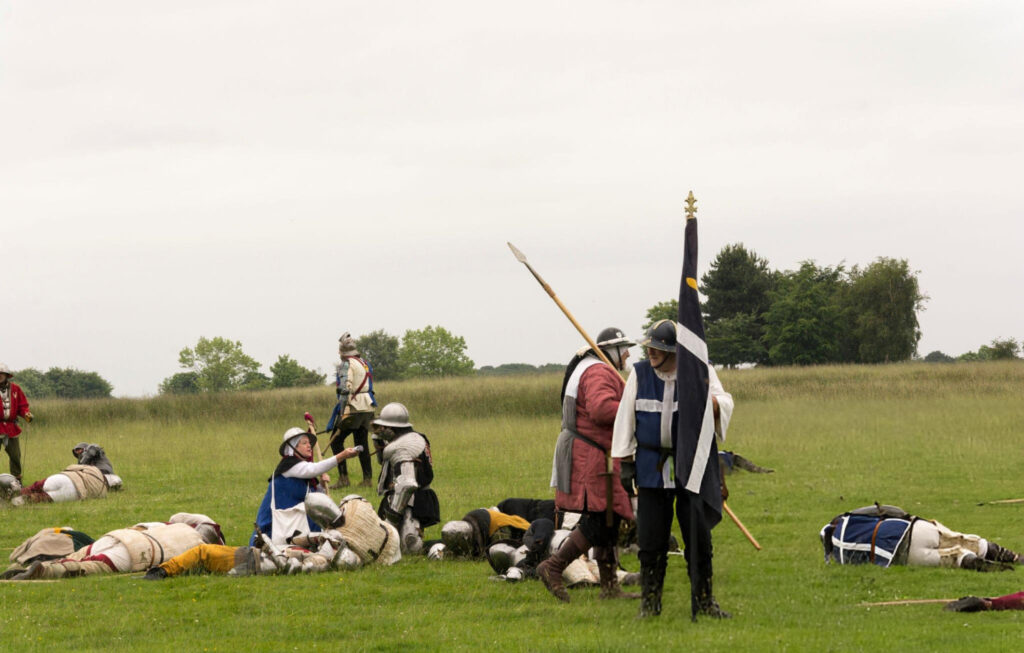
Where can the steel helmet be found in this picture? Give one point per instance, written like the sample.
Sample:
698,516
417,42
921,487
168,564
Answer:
292,434
458,537
9,486
613,337
347,345
394,415
661,335
6,370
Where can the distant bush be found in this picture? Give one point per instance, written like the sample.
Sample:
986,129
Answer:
63,383
938,357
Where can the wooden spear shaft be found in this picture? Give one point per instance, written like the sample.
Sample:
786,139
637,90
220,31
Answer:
311,428
743,528
907,602
551,293
609,473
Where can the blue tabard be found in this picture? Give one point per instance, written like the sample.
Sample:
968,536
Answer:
287,493
859,539
651,457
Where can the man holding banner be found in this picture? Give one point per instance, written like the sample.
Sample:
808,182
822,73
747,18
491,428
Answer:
665,435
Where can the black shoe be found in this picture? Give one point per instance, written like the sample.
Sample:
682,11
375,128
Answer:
966,604
710,607
155,573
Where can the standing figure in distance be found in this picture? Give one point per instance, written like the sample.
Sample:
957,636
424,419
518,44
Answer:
354,411
15,405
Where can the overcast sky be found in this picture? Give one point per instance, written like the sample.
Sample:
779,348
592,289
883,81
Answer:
279,172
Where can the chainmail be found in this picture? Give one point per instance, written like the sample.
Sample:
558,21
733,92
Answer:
5,395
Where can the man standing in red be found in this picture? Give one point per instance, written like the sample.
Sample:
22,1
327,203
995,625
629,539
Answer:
15,405
590,399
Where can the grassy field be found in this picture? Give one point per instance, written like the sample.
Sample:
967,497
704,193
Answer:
934,439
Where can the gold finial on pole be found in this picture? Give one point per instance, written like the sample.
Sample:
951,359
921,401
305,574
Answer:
691,207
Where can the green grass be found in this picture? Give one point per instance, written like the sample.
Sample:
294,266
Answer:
934,439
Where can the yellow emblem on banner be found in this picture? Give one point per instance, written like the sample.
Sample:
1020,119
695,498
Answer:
691,282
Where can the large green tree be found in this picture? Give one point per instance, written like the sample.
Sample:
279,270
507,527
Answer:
881,303
737,289
287,373
737,281
804,322
735,340
380,350
220,364
433,351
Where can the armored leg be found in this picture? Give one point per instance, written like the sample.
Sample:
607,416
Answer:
412,540
550,571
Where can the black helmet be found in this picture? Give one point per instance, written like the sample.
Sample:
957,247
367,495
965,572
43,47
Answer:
661,335
612,337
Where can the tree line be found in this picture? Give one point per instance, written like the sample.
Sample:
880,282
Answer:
813,315
62,383
220,364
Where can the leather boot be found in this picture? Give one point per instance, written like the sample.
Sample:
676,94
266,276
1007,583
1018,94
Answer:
1001,554
550,571
607,568
707,605
650,592
975,563
342,482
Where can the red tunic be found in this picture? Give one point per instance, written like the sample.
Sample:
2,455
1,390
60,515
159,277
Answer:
19,408
597,401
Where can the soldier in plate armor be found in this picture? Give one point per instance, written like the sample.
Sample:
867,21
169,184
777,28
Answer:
405,476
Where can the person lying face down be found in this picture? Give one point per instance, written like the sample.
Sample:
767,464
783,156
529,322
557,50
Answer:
887,535
135,548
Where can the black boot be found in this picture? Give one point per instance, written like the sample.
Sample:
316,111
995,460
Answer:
607,567
155,573
650,592
707,605
1001,554
550,571
975,563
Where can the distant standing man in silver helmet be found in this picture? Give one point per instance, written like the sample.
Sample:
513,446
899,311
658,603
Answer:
645,437
406,472
15,405
590,398
354,379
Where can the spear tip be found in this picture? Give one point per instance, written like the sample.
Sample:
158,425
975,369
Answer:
515,251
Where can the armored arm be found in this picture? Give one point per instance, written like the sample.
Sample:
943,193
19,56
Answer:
405,486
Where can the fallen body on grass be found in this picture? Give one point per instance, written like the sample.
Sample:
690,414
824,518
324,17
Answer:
136,548
352,536
514,546
888,535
